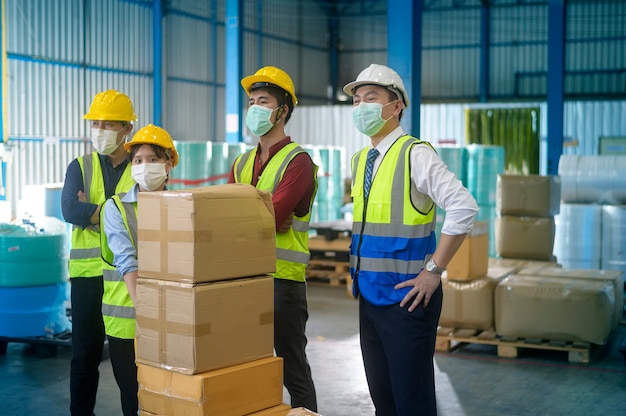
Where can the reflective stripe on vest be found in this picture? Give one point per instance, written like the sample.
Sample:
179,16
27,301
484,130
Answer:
292,247
391,239
118,311
85,255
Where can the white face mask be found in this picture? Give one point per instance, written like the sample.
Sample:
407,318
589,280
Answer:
104,141
149,176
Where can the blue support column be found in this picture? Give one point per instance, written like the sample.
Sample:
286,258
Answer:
404,55
556,82
234,42
157,46
484,52
333,30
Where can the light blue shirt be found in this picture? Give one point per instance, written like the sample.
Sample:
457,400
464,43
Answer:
124,253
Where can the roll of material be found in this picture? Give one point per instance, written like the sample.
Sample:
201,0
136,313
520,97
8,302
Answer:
484,165
597,179
614,237
33,253
456,158
578,235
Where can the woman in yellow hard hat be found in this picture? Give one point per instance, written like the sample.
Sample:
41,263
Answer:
89,181
152,155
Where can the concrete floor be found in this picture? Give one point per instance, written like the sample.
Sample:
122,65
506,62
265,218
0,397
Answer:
470,381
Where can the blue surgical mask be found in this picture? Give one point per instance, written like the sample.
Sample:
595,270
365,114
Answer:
258,119
367,117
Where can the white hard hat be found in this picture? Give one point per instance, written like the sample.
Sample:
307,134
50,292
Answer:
382,75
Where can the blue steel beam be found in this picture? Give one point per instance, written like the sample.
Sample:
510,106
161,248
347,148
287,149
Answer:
234,70
556,75
404,55
485,28
157,45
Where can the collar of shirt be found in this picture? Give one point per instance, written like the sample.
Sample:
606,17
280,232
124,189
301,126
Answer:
386,143
258,166
131,196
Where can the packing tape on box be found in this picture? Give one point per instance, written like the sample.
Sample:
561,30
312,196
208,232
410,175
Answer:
266,318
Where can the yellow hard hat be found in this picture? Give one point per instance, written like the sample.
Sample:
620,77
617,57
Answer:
152,134
111,105
274,76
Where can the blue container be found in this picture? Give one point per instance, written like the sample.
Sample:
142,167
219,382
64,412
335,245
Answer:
33,311
34,253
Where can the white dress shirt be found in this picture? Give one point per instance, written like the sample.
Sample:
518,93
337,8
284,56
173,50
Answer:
433,181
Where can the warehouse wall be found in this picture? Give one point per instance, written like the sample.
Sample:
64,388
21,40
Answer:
584,122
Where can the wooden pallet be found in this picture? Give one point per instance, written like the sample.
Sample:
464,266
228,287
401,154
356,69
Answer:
449,339
333,273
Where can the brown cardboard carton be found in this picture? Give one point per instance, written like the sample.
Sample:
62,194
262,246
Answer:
472,258
520,264
614,276
529,238
280,410
554,308
197,328
469,305
231,391
531,195
206,234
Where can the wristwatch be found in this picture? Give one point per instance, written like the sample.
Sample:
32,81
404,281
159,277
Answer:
432,267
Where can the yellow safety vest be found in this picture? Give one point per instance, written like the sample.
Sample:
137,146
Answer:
118,310
391,239
85,257
292,247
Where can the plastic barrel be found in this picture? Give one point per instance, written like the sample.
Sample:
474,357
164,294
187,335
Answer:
33,311
32,255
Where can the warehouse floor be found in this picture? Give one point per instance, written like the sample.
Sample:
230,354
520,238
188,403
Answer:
471,380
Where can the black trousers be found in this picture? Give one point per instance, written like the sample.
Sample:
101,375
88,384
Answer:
398,348
87,343
122,353
290,317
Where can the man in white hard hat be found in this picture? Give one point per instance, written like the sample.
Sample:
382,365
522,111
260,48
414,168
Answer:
395,262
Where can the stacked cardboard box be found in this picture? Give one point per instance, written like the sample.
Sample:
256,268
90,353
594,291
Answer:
526,206
469,283
205,303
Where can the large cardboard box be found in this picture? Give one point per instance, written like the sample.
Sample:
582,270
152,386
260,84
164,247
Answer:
529,238
206,234
280,410
614,276
555,308
532,195
520,264
197,328
471,259
232,391
469,305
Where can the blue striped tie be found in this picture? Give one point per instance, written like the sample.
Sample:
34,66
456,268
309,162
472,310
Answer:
372,154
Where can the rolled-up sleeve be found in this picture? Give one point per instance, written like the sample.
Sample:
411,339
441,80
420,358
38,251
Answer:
432,177
124,254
